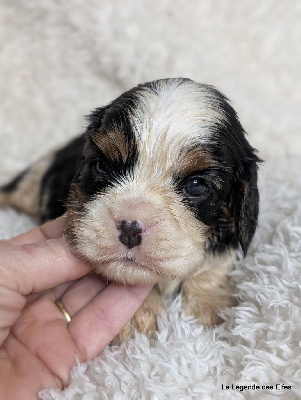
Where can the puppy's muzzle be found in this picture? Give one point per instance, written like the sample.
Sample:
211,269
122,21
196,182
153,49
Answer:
130,233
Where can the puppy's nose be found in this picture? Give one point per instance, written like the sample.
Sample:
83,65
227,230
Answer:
130,233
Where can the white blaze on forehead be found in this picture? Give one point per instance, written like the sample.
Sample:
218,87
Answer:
174,115
167,118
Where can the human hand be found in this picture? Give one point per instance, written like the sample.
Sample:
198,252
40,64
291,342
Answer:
37,346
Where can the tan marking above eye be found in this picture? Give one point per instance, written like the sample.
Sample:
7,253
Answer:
112,143
192,160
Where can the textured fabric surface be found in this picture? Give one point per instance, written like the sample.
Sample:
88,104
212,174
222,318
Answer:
59,60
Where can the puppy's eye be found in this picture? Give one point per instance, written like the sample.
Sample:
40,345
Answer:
98,167
195,186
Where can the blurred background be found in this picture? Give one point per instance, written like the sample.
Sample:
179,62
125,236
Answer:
60,59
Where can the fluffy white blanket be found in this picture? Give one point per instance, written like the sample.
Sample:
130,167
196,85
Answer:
61,59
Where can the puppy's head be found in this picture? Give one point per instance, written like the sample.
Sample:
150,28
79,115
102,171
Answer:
167,176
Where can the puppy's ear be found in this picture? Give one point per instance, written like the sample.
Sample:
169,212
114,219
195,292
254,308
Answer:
246,203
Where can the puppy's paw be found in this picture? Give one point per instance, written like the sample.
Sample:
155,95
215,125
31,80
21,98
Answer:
204,294
206,305
144,320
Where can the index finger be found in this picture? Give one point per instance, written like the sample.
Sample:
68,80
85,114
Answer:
38,266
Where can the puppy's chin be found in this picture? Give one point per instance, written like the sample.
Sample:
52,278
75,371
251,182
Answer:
129,272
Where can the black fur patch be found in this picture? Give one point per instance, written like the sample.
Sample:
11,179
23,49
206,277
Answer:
56,182
230,207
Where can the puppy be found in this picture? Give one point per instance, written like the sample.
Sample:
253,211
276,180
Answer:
161,188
